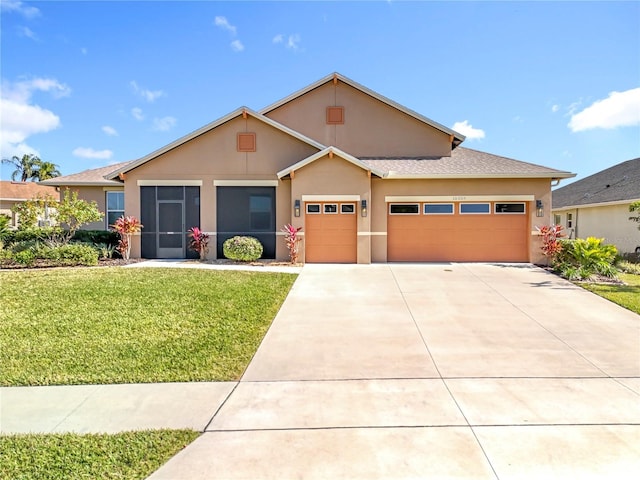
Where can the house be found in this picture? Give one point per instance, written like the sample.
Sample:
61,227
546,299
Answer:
366,178
598,206
12,193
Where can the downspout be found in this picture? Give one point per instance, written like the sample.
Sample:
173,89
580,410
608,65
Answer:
576,223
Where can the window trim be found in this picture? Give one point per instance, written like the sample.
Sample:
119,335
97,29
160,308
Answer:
570,220
424,208
307,205
488,212
523,212
409,203
106,207
353,212
324,209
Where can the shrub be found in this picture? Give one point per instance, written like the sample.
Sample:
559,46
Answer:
126,227
581,259
551,245
109,237
70,254
244,249
199,242
25,257
104,250
4,225
292,241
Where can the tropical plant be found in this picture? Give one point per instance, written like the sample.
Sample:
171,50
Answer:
73,212
199,242
45,171
105,250
292,241
4,225
581,259
244,249
25,167
126,227
551,235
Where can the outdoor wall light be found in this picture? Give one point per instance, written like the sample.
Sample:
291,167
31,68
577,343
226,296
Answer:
539,208
363,208
296,208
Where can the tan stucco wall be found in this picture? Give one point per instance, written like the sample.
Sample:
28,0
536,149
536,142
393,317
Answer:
334,176
213,156
371,128
539,188
610,222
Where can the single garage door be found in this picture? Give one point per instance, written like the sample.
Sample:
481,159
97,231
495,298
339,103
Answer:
330,232
458,231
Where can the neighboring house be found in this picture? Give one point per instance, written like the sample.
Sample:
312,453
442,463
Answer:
12,193
367,179
598,206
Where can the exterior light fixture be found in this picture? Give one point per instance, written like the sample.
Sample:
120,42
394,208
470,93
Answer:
296,208
539,208
363,208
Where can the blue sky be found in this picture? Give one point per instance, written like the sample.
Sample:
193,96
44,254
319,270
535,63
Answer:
86,84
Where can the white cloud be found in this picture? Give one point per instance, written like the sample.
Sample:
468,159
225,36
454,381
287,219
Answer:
555,108
237,46
108,130
21,118
279,38
149,95
19,7
137,114
619,109
223,23
84,152
27,32
164,124
468,131
293,41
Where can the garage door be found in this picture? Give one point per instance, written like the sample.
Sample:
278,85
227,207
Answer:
330,233
458,231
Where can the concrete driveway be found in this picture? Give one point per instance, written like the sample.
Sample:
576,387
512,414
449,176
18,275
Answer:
431,371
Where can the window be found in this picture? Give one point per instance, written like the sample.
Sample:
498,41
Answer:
438,208
260,210
115,207
404,209
475,208
569,220
509,208
313,208
330,208
347,208
557,219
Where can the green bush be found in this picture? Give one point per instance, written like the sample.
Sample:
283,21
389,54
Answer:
581,259
28,234
25,257
244,249
70,254
108,237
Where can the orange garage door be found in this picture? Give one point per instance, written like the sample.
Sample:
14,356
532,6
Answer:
462,232
330,233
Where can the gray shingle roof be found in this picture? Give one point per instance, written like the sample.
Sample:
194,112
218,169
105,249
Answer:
95,176
618,183
463,162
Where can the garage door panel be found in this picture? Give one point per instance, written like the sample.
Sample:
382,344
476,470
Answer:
331,237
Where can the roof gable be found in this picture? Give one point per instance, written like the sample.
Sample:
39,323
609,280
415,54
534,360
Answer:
330,151
615,184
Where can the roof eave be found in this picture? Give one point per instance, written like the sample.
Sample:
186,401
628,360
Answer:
594,205
446,176
107,183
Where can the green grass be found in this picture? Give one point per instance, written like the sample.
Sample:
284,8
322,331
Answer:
130,455
117,325
627,295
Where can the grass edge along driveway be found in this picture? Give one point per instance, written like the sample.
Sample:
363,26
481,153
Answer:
627,296
119,325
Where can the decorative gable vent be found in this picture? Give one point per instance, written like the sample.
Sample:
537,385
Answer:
246,142
335,115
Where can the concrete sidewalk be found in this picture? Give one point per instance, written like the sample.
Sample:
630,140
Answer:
397,371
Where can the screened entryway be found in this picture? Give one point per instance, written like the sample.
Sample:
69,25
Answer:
247,211
167,214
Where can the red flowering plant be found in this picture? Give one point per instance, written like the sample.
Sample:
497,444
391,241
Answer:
292,240
126,227
199,242
551,245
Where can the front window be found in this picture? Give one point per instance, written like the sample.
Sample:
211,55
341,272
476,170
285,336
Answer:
475,208
115,207
569,220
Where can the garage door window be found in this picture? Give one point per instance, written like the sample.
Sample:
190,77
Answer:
438,208
313,208
330,208
404,209
475,208
348,208
509,208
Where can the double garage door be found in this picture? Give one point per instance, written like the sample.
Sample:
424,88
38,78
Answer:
331,232
458,231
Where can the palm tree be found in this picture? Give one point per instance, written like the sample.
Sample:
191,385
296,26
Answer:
45,171
26,166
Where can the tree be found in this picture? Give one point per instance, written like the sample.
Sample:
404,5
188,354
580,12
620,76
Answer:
126,228
45,171
26,166
72,213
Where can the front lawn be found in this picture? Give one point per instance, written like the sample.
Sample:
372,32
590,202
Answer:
627,295
117,325
130,455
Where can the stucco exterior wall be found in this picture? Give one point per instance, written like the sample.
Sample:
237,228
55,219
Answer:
371,128
539,188
94,194
610,222
214,156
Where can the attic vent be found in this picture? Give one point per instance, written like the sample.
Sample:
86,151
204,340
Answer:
335,115
246,142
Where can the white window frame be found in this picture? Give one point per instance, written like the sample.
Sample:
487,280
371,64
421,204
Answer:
324,208
319,212
569,220
352,205
424,209
408,203
524,208
106,206
475,213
